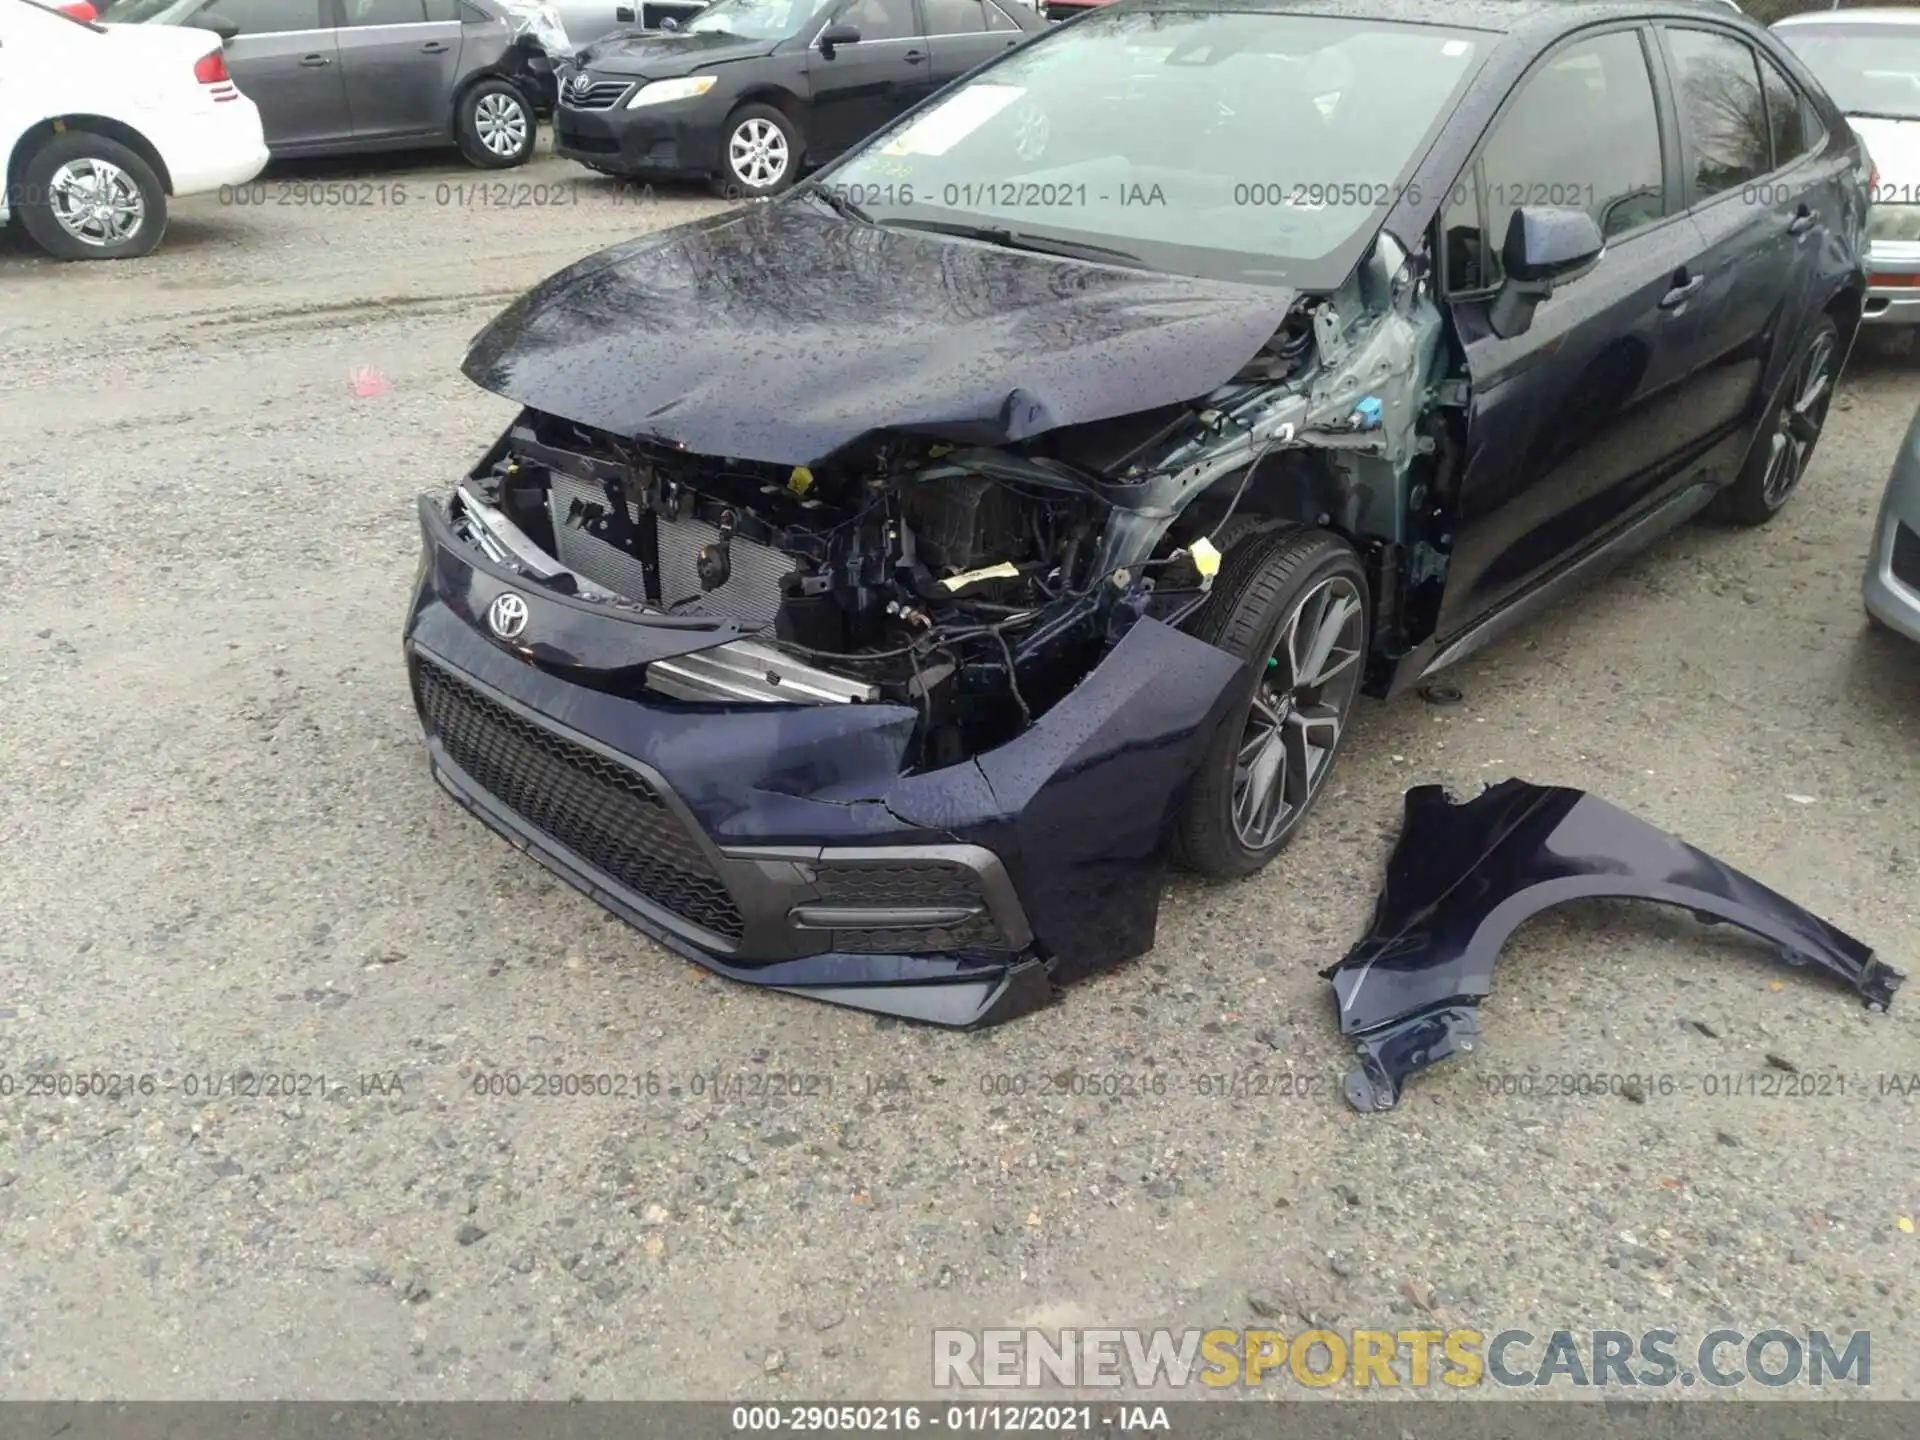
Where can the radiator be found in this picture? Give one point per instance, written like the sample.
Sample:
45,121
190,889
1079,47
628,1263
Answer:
752,592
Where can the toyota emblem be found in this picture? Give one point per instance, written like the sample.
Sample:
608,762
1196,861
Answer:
507,616
582,83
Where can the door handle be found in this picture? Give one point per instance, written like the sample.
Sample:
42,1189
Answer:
433,47
1803,221
1681,290
313,62
913,57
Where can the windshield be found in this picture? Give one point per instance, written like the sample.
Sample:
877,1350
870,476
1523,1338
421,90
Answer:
752,19
1246,146
1868,69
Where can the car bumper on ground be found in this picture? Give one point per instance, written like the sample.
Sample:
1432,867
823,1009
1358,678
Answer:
785,845
1893,568
675,141
223,145
1893,283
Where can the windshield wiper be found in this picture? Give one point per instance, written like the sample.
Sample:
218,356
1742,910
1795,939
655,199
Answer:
839,204
1021,240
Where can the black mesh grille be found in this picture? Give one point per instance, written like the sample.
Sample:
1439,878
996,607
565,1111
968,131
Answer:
904,884
1906,556
603,812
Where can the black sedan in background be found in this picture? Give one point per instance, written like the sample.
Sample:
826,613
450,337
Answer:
750,92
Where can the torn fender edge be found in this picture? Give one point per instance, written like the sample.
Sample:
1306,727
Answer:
1464,876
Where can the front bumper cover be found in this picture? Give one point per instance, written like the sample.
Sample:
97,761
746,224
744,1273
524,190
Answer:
782,845
1464,877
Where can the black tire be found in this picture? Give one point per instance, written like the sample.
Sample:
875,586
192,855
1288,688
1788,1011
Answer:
1264,580
40,210
749,126
1784,444
495,124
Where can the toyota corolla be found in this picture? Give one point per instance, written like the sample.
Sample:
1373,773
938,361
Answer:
879,586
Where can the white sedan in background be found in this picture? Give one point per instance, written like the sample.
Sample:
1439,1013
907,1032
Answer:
1869,61
99,125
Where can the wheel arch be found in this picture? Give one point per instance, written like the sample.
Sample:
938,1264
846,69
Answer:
38,134
1846,307
777,97
480,77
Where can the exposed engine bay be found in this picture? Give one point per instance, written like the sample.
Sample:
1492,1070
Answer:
979,584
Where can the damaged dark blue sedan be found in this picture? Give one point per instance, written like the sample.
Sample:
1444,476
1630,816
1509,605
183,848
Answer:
881,585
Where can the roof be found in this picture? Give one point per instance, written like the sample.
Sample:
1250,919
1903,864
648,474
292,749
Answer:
1888,15
1504,17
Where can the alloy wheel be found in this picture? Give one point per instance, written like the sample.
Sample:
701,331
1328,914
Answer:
1802,414
1306,689
96,202
501,123
757,153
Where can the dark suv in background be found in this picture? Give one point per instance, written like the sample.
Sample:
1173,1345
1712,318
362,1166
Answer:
336,76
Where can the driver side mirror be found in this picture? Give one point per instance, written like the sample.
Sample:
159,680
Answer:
218,24
837,34
1546,247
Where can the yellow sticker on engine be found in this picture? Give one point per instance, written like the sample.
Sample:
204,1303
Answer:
1003,571
801,480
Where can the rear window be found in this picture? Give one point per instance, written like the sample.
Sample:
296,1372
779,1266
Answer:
1868,68
19,9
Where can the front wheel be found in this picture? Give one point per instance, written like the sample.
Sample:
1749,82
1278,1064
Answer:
1293,605
1784,446
85,197
759,154
495,125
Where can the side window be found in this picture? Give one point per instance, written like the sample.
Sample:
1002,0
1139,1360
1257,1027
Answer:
1581,132
878,19
1786,115
443,10
956,17
270,17
1722,110
384,12
998,19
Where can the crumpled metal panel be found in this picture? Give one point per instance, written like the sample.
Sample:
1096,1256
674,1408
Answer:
781,333
1465,876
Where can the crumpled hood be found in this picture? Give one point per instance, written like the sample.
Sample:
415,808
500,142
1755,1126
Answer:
784,332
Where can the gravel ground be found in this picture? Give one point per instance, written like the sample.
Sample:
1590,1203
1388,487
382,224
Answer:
223,852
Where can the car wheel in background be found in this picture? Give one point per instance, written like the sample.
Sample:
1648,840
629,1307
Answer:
1293,605
1783,448
494,123
85,197
759,154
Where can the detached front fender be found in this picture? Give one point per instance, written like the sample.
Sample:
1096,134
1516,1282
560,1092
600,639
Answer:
1464,877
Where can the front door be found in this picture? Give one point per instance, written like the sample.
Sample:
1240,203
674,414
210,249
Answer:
400,68
865,85
285,59
1586,416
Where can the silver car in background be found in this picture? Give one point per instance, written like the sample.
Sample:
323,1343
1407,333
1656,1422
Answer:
1869,62
1893,570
